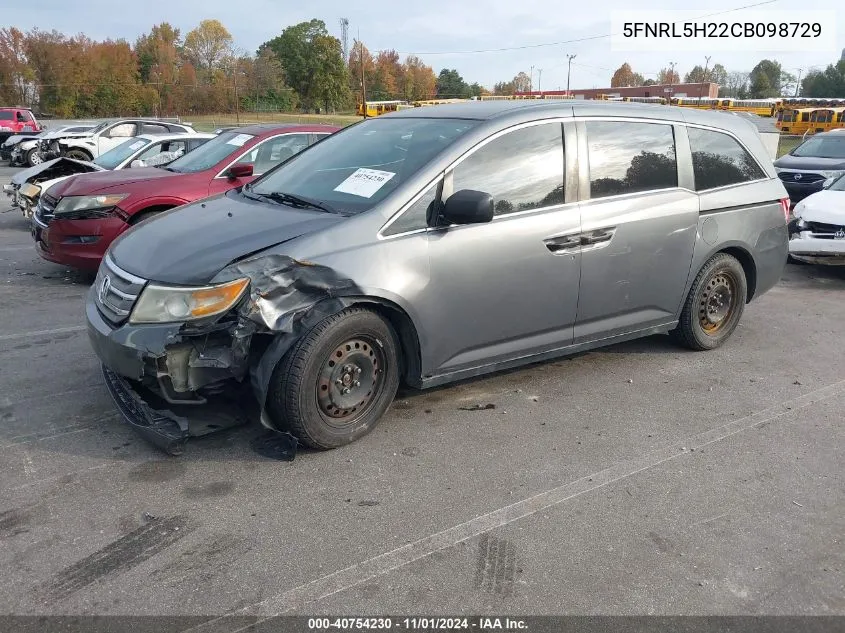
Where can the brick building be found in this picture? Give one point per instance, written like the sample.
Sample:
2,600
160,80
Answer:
666,90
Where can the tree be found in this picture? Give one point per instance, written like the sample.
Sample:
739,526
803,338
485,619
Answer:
668,76
503,88
717,75
477,90
450,84
639,80
387,76
827,83
697,75
623,77
522,82
313,63
16,75
208,44
419,81
768,79
649,82
735,85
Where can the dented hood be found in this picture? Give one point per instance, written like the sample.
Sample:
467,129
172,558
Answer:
827,207
54,169
189,245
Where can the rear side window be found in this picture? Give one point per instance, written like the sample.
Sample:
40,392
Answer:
718,160
630,157
154,128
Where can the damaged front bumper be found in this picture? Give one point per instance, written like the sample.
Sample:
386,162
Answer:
143,384
806,247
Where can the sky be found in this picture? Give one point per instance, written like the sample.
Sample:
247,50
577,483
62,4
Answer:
442,31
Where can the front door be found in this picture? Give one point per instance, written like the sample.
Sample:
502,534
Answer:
638,226
263,157
509,288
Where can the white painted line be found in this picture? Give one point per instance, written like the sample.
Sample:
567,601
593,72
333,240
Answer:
359,573
58,330
9,249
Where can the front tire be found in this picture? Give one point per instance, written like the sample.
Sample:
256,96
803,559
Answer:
33,158
337,381
714,305
79,154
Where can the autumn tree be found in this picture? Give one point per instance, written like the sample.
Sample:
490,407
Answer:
358,53
668,76
208,45
623,77
419,81
16,75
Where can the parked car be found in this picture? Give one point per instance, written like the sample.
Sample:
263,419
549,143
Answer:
77,219
25,150
817,234
805,169
106,136
149,150
432,245
14,120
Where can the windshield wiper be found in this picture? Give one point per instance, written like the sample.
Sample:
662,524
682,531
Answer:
292,200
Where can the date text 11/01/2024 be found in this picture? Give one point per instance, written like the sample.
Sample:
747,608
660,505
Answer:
721,29
421,624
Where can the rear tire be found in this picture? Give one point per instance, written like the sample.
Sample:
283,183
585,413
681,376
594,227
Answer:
78,154
337,381
714,305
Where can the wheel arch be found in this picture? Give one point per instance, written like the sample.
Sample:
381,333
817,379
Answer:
155,208
403,324
749,267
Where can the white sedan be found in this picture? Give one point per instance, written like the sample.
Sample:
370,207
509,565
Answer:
817,234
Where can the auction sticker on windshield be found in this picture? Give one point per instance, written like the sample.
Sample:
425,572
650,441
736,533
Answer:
239,140
365,182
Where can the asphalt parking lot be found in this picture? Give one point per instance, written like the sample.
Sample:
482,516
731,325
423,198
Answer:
639,479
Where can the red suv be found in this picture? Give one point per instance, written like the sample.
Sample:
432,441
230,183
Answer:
77,219
18,120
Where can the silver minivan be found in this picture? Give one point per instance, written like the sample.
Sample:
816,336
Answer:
432,245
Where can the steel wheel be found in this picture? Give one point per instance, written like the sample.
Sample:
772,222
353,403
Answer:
34,158
349,380
717,302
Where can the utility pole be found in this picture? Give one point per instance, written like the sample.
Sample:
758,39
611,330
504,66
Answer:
540,81
569,59
363,88
671,78
531,81
706,66
798,83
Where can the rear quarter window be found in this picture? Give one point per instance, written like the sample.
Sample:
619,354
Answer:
718,160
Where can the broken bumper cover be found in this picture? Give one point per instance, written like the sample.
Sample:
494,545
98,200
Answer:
817,251
168,432
125,362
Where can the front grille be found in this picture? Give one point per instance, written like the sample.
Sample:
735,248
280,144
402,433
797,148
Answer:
789,176
115,291
823,231
45,208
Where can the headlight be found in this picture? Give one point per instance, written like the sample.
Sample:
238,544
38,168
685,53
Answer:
833,173
165,304
88,203
798,209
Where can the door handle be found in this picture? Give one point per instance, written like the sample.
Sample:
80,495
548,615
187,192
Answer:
563,243
597,237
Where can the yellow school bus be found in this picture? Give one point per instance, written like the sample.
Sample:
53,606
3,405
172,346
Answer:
793,120
825,119
376,108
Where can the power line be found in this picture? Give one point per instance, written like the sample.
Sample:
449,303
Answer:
573,41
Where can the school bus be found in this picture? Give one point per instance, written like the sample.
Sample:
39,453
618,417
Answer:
431,102
376,108
660,100
794,120
825,119
699,103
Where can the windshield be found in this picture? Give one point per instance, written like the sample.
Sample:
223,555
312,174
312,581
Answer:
822,147
357,168
838,184
209,154
112,158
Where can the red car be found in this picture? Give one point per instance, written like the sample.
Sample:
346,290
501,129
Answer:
18,120
77,219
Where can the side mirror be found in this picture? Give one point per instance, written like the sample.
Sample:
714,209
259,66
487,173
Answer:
238,171
468,207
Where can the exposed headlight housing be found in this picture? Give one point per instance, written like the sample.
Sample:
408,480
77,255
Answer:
835,173
168,304
72,204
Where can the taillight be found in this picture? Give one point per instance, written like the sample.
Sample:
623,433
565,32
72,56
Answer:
784,203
